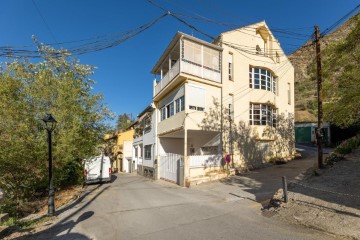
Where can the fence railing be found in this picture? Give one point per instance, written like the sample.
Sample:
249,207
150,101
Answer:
205,160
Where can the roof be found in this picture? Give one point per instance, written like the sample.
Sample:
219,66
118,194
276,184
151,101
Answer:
174,41
149,108
305,117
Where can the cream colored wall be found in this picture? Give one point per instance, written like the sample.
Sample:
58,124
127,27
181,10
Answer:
172,123
171,145
194,118
239,87
201,171
127,149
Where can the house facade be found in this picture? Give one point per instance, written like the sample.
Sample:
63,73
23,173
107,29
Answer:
258,90
187,79
117,151
144,149
218,98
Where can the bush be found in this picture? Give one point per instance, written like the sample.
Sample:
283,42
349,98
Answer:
333,158
348,145
70,174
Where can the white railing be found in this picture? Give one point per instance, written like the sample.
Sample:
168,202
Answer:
200,71
175,69
205,160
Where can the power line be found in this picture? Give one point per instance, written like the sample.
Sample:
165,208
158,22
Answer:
43,19
87,45
334,25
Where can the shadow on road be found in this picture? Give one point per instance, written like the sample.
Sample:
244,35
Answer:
65,225
264,182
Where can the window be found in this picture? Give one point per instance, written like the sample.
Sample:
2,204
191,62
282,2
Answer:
192,107
177,105
172,108
262,114
136,151
262,79
182,103
147,149
230,66
163,113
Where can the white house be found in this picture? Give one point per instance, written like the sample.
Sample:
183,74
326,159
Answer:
144,146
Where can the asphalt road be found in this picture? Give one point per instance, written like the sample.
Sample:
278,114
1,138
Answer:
133,207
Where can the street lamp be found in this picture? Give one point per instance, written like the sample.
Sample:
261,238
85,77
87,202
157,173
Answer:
50,124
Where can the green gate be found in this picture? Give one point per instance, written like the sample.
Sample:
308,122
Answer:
303,134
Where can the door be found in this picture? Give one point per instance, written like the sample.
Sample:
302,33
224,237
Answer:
169,167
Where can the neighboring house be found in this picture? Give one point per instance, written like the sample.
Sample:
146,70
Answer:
127,163
305,128
144,145
305,132
116,141
256,85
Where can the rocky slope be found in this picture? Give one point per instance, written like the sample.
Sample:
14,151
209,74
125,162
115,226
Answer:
303,61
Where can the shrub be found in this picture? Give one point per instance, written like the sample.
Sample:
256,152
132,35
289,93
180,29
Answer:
348,145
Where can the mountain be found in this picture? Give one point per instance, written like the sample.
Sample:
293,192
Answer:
304,63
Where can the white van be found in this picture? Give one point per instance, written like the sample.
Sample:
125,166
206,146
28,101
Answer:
97,169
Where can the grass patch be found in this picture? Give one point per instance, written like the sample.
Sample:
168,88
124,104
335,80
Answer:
24,224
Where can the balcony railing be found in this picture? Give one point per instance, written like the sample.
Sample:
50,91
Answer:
189,68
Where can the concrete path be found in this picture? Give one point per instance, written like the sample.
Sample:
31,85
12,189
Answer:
133,207
261,184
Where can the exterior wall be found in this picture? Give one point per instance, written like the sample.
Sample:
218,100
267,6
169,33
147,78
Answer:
170,124
200,171
149,138
193,121
239,87
122,137
237,91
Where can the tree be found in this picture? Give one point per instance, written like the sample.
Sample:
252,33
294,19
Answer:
342,79
124,121
57,85
282,136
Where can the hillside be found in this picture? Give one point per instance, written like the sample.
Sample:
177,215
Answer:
303,61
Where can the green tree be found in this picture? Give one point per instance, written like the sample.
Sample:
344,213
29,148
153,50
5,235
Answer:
342,79
124,121
58,85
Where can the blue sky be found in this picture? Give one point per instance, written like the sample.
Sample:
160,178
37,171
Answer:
123,72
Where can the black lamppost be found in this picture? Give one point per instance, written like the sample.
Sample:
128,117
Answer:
50,124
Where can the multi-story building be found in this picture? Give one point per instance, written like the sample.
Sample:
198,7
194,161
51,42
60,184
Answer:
257,86
144,145
188,78
243,71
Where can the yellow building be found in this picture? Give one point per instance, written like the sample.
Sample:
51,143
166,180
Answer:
117,152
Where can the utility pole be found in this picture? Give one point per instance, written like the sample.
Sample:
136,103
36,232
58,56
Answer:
319,96
231,139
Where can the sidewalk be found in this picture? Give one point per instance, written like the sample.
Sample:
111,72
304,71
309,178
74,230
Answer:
259,185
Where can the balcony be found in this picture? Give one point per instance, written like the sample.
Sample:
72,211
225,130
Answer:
187,55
